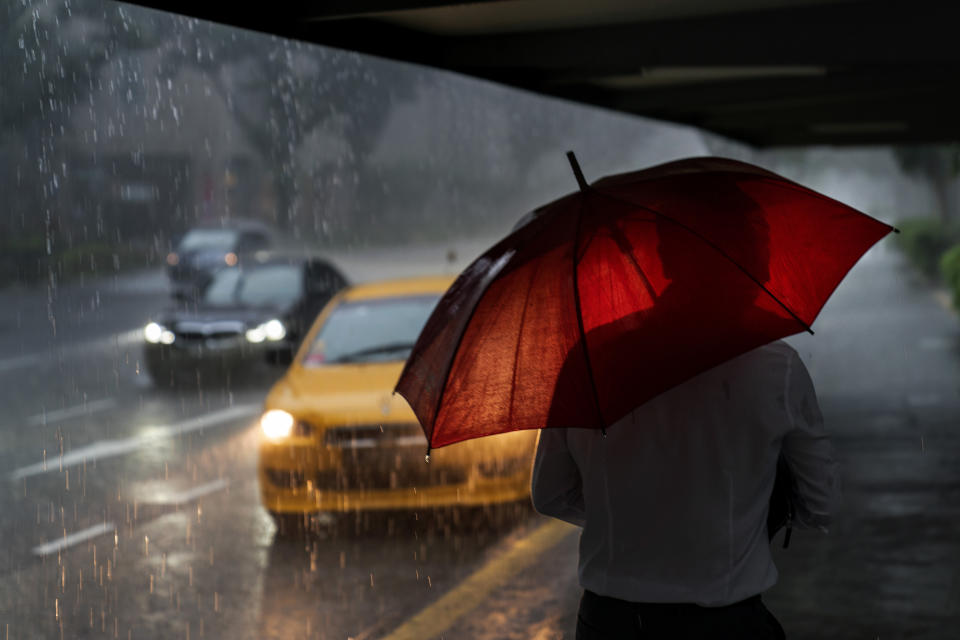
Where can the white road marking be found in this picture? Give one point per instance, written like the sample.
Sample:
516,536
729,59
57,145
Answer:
119,340
110,448
936,343
53,546
49,417
924,399
123,339
943,299
11,364
191,494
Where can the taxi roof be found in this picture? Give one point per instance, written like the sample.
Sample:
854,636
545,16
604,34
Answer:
399,287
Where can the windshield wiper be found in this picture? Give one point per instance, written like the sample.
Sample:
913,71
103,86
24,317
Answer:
372,351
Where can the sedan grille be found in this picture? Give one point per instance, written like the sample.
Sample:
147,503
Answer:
219,332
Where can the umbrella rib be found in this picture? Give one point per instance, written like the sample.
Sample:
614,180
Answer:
716,248
576,299
625,247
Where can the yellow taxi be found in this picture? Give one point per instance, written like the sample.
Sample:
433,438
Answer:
335,438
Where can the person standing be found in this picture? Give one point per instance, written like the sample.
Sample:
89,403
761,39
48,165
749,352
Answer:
673,499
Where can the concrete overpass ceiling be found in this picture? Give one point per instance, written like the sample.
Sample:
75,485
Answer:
492,16
764,72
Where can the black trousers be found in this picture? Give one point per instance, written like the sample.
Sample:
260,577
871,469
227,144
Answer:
605,618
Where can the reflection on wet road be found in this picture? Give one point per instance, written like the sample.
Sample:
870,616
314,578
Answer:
133,512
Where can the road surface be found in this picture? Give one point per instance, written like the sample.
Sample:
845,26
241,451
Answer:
133,512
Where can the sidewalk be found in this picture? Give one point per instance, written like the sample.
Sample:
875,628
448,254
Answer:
886,362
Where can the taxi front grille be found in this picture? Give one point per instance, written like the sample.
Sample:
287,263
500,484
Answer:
371,436
387,468
374,457
370,479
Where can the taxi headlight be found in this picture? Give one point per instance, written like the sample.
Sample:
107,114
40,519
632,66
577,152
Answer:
158,334
271,330
276,424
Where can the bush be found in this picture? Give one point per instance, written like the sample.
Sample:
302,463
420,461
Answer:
925,240
950,270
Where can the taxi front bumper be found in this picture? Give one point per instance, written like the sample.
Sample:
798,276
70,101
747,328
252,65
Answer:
298,476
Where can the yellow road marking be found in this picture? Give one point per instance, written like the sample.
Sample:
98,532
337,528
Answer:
440,616
943,299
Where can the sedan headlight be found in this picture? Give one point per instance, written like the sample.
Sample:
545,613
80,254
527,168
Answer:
277,424
272,330
158,334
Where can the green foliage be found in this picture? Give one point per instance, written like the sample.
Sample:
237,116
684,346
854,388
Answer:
950,270
925,240
934,161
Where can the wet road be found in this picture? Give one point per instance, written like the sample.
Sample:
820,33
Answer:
132,512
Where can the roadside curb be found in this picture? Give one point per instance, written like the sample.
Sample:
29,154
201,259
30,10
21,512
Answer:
942,296
439,616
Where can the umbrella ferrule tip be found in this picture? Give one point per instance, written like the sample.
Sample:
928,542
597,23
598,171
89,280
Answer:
577,172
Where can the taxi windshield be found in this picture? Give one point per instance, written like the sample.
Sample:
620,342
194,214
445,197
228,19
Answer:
371,330
275,285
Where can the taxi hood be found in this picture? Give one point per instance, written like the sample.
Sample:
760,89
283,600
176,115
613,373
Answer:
348,392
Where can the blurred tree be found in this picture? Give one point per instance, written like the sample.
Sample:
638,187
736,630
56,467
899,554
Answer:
51,56
282,91
940,165
51,53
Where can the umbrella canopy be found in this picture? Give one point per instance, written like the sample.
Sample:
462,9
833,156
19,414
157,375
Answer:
611,295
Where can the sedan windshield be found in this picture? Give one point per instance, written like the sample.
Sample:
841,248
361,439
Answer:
207,240
371,330
275,285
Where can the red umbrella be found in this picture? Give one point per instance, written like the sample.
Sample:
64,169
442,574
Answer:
611,295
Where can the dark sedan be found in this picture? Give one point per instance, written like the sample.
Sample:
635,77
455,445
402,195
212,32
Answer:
253,312
203,251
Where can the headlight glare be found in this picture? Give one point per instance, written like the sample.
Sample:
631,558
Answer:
274,330
276,424
153,332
